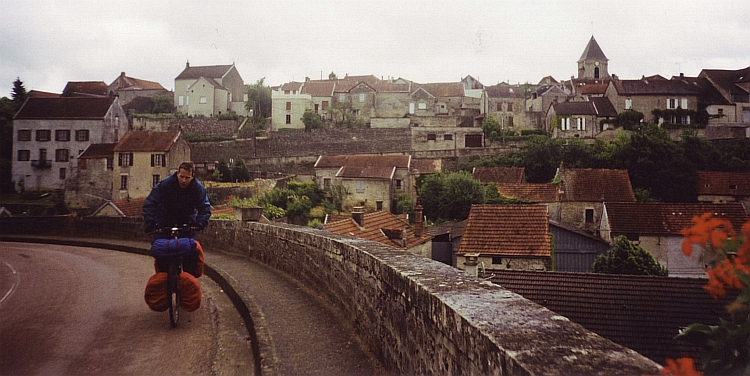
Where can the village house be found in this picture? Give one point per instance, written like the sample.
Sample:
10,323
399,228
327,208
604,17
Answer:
49,133
657,228
129,89
507,104
584,119
499,237
143,159
722,187
127,207
91,184
209,90
386,228
734,86
676,99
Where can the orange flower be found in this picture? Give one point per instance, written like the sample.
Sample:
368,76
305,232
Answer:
680,367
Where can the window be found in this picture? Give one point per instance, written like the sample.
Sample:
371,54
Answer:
596,72
181,100
202,99
361,97
721,112
581,124
325,105
589,215
360,186
510,121
155,179
499,106
422,106
289,119
61,155
288,106
510,106
62,135
317,108
378,205
342,97
447,137
157,160
24,135
82,135
62,173
24,155
398,184
43,135
671,103
326,183
125,159
123,182
411,108
110,163
565,124
628,103
431,137
684,104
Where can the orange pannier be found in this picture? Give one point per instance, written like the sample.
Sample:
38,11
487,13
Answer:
190,292
156,292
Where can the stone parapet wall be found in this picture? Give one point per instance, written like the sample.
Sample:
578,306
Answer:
417,315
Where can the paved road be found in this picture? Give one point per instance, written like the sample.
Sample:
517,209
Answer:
72,310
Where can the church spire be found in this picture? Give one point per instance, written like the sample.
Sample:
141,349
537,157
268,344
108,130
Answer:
593,62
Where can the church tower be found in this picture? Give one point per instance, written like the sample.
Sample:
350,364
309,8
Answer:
593,63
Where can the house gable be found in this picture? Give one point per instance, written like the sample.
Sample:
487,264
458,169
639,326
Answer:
507,230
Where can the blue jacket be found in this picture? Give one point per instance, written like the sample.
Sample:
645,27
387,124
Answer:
169,205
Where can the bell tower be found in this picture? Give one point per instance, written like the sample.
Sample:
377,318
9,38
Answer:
593,63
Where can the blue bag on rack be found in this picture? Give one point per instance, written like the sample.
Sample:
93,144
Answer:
173,247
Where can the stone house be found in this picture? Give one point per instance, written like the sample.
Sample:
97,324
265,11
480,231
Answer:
584,119
655,93
507,104
657,228
734,86
499,237
385,228
720,109
209,90
582,193
121,208
130,88
143,158
91,184
372,182
49,133
722,187
540,101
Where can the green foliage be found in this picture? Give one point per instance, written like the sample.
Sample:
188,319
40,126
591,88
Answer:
314,223
259,99
492,196
492,128
217,175
223,168
298,207
311,120
242,202
404,204
240,173
335,194
308,189
628,119
449,197
628,258
162,103
18,94
231,115
222,216
272,212
277,197
725,347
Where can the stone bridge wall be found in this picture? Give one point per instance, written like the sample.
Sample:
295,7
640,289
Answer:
418,316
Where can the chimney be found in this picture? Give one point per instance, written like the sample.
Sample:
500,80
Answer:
187,64
418,219
404,237
122,74
358,215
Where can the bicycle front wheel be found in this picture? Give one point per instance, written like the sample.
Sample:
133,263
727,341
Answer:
174,307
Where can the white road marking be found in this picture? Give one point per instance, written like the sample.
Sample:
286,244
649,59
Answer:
12,286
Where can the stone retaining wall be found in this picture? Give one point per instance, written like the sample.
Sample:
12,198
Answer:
417,315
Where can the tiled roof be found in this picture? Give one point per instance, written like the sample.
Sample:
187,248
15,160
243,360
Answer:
426,166
362,160
86,87
455,229
723,183
330,161
377,227
442,89
391,87
507,230
654,87
65,108
594,89
596,107
319,88
131,83
130,207
43,94
139,104
142,141
642,313
653,218
209,71
498,174
725,76
709,93
596,185
534,193
592,51
370,172
505,91
292,86
98,151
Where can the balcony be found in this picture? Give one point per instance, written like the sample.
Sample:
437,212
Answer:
41,163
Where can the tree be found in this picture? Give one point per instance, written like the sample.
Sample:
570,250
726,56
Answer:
449,197
18,94
223,168
240,173
492,128
259,100
404,204
336,193
311,120
162,104
541,156
628,258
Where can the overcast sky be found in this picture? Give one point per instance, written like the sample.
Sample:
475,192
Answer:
50,42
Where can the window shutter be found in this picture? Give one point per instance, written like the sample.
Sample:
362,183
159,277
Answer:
152,160
131,159
119,159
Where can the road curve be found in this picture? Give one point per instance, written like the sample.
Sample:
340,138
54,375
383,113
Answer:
73,310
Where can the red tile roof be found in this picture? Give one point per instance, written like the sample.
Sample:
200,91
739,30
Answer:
505,91
371,172
499,174
291,86
209,71
507,230
654,87
639,312
442,89
601,107
98,151
43,94
534,193
594,89
723,183
652,218
595,185
86,87
132,207
361,160
65,108
319,88
131,83
330,161
142,141
378,226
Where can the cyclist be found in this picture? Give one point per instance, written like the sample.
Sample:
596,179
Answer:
179,199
